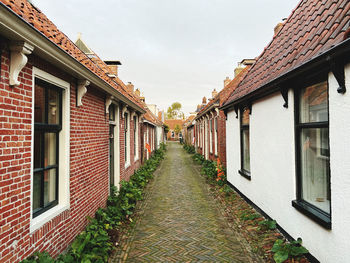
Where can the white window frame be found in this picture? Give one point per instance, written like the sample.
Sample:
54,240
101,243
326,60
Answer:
216,127
136,138
211,135
127,142
64,153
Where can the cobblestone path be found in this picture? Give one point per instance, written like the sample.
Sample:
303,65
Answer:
180,222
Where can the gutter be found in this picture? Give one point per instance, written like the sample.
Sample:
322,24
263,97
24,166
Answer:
214,105
322,61
14,27
146,121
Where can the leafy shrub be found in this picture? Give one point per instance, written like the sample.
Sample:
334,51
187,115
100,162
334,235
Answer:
94,243
189,148
284,250
268,224
209,169
198,158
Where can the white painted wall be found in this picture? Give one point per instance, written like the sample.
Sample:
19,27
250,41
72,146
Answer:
159,133
273,185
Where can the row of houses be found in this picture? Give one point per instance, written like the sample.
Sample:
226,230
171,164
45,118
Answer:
281,128
69,130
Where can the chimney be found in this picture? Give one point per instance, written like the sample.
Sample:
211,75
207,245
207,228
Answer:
237,70
226,81
113,67
142,98
241,65
279,26
214,93
137,92
130,87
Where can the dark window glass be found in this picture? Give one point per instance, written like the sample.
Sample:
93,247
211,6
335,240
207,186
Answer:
126,136
48,103
39,104
53,106
135,134
111,112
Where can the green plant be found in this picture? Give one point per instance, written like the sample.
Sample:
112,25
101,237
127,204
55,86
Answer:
189,148
209,169
40,257
268,224
284,250
198,158
95,243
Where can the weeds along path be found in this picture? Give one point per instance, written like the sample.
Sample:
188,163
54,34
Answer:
180,221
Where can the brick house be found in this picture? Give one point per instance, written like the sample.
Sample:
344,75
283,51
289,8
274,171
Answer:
287,151
172,123
189,130
210,122
69,130
153,133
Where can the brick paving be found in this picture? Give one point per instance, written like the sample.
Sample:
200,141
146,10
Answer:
179,221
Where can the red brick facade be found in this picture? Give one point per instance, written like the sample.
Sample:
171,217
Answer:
89,164
202,141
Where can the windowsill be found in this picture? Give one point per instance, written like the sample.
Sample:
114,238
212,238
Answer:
245,174
313,213
136,159
45,217
127,165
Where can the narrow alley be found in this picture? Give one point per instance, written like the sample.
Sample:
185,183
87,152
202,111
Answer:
180,222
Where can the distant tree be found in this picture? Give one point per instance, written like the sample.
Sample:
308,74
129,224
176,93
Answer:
174,111
177,129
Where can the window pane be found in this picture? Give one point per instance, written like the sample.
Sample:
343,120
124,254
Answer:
50,149
246,153
38,153
39,104
111,112
314,103
315,167
36,191
53,107
49,186
245,116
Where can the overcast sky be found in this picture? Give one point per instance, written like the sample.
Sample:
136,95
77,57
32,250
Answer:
172,50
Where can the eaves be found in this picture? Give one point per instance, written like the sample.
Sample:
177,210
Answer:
339,54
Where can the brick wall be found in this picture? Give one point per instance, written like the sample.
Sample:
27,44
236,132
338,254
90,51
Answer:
126,172
221,151
89,179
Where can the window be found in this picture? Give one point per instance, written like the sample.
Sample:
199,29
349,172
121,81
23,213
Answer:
211,135
112,125
136,140
312,147
111,111
50,148
245,145
127,138
47,126
216,135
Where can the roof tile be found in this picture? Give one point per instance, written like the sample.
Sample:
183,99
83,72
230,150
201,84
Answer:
40,22
313,27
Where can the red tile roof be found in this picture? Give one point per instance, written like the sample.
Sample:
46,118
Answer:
314,27
172,123
40,22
